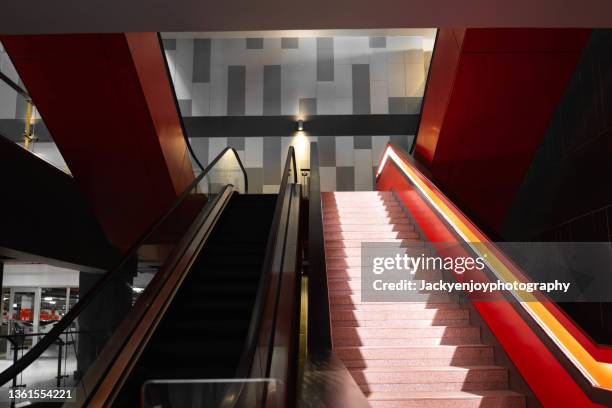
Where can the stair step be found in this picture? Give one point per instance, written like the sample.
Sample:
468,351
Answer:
330,214
401,324
420,318
407,379
436,332
367,227
370,219
395,307
415,248
423,336
370,236
415,356
448,399
356,243
355,299
338,280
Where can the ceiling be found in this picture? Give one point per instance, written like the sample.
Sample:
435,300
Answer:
77,16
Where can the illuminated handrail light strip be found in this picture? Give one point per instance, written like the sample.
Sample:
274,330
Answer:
598,373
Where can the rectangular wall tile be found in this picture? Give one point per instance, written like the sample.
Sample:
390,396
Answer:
254,90
254,43
215,146
344,151
328,178
169,44
253,147
308,106
272,90
289,91
236,90
200,104
219,84
378,147
327,151
325,59
183,68
363,170
361,89
396,80
326,98
236,142
272,159
345,179
363,142
271,189
415,80
379,99
200,148
201,60
400,141
343,82
255,176
289,43
184,106
378,42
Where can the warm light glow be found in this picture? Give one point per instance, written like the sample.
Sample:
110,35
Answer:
301,144
598,373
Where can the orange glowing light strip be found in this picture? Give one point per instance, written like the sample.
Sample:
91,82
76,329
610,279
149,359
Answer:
598,373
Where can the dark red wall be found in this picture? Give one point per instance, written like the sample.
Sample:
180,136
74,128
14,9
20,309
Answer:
108,104
490,97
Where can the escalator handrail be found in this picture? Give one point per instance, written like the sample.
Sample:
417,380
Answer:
16,88
244,366
64,323
319,325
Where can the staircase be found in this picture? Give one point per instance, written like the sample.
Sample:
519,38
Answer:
403,354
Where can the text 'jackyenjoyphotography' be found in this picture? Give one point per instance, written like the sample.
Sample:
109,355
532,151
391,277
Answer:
436,272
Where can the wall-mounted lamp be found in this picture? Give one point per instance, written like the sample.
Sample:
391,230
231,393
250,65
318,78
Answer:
300,124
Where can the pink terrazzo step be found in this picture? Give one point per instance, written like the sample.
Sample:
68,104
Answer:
355,299
370,236
401,323
449,378
415,249
415,356
356,243
397,307
397,337
368,227
431,316
368,219
358,212
447,399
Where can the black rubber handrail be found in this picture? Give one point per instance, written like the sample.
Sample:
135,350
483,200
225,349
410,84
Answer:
15,87
244,367
319,325
73,313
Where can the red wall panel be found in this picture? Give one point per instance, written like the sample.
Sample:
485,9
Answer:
489,100
106,100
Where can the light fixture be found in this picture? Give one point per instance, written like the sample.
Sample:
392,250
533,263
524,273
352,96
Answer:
48,298
300,125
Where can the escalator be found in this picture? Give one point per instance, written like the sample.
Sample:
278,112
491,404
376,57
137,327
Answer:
210,292
203,332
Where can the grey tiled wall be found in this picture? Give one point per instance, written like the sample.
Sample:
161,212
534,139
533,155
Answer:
300,76
292,76
347,163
